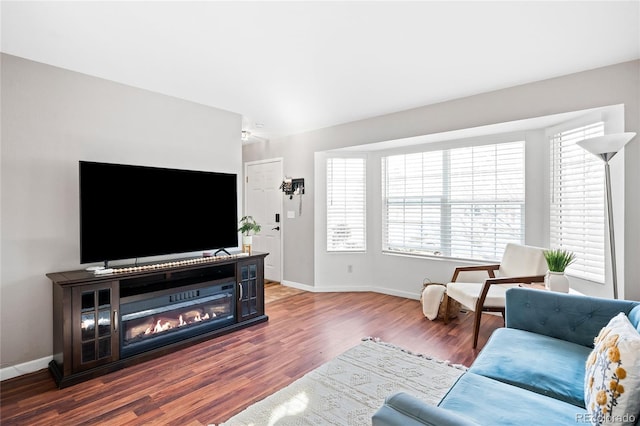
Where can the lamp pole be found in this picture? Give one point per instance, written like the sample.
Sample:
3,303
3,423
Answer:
605,147
612,240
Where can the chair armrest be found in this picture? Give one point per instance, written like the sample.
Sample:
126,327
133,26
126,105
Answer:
504,280
402,409
516,280
488,268
570,317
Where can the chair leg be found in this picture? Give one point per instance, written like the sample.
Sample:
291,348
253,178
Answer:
476,327
446,309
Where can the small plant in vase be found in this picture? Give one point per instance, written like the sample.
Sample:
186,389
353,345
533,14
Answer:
557,261
247,226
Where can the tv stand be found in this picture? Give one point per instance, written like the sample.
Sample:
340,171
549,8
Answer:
95,330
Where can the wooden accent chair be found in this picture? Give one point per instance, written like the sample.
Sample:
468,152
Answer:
519,264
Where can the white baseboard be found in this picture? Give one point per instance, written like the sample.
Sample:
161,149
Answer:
346,288
24,368
299,286
395,292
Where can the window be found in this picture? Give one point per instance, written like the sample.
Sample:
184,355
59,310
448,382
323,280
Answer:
346,201
577,201
462,203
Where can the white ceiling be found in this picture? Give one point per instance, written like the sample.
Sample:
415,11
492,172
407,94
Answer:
298,66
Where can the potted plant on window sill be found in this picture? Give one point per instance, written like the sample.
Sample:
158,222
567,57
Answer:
557,261
247,226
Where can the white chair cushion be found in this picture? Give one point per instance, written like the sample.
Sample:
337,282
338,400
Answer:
473,276
520,261
469,293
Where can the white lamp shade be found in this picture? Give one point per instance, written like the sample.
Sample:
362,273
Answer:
607,144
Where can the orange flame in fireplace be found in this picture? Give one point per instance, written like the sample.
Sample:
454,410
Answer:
164,324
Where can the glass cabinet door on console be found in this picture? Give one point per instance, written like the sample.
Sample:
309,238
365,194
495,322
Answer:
250,288
95,325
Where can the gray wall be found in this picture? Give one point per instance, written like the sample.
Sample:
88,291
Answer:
617,84
51,119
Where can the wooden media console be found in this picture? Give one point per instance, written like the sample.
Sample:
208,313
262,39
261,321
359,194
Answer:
104,322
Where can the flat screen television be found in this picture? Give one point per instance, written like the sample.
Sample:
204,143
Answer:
131,211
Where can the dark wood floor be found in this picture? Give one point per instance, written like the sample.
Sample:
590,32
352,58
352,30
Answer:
210,382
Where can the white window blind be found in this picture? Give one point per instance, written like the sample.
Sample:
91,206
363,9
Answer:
577,221
346,204
462,203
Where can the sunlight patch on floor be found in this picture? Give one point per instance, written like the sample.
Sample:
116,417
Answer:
296,405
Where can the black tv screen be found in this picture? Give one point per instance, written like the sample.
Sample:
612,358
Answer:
134,211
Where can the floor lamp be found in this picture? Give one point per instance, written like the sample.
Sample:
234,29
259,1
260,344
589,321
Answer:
605,147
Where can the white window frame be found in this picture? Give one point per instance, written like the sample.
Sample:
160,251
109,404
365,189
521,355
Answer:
346,204
433,202
577,201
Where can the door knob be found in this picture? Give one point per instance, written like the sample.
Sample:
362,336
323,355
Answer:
277,228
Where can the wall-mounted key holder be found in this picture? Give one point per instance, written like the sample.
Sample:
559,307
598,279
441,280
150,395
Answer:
292,187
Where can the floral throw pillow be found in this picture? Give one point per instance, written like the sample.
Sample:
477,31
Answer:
612,376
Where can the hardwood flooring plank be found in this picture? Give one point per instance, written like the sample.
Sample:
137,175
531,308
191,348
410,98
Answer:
213,380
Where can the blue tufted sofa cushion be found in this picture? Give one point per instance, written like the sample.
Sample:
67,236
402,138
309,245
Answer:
538,363
569,317
490,402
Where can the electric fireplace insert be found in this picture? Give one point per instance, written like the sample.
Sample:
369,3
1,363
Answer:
161,319
155,312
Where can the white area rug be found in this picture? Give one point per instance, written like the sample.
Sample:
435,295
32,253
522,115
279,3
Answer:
350,388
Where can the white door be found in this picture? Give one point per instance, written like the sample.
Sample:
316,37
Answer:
263,201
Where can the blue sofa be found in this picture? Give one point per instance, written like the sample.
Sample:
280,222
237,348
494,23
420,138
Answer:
530,372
